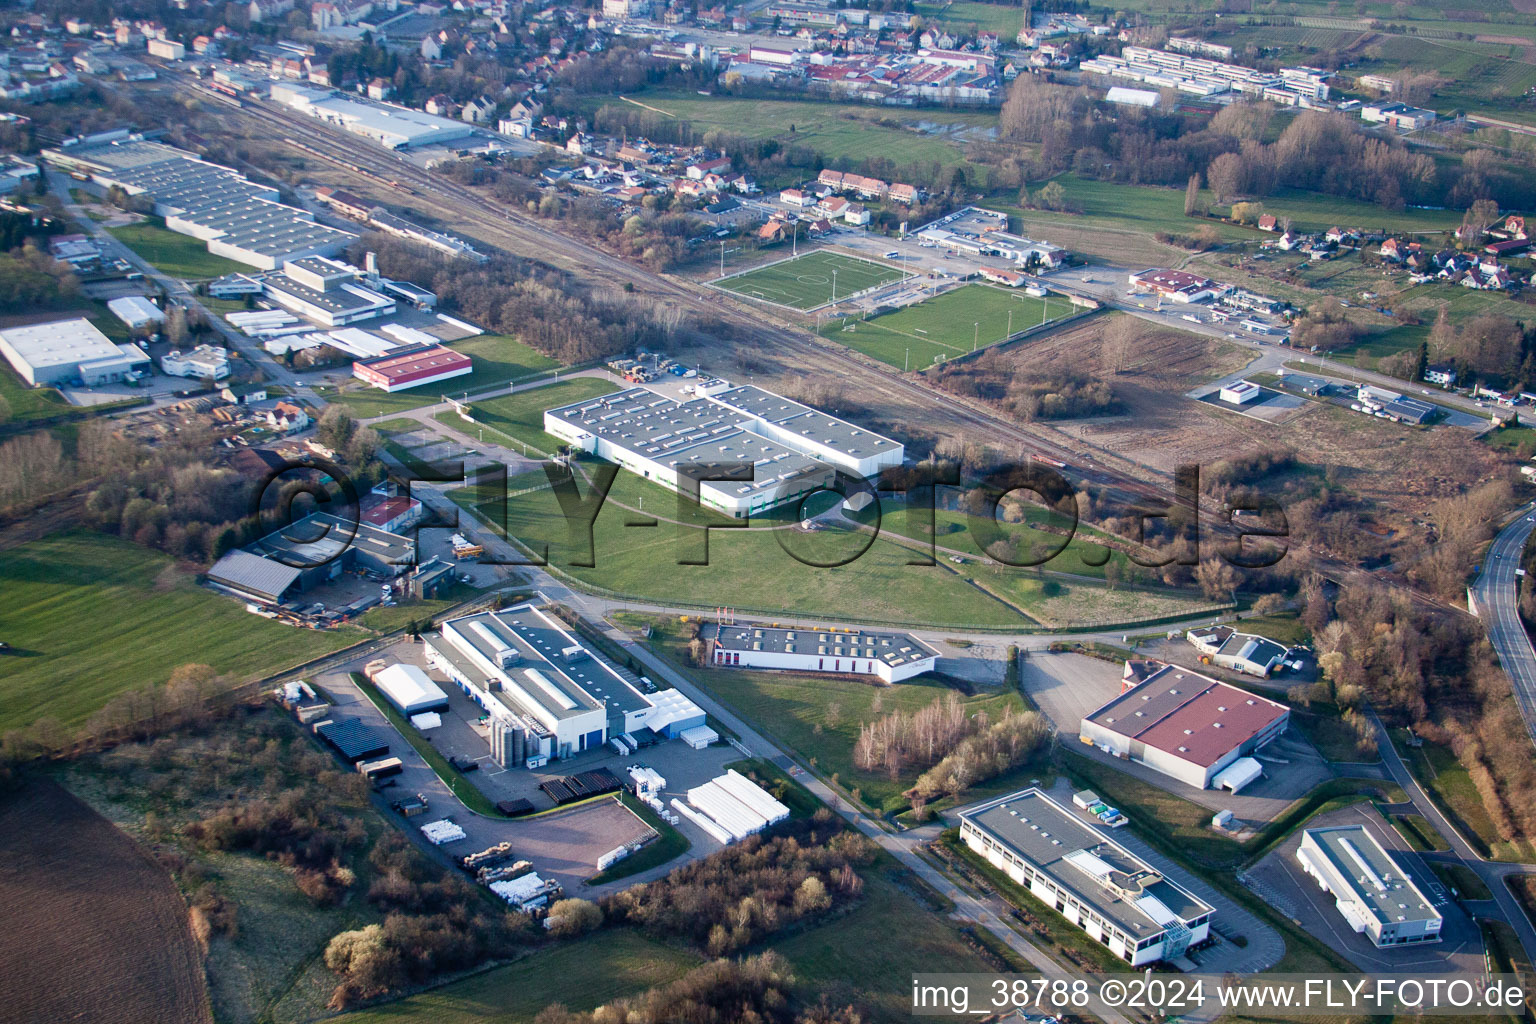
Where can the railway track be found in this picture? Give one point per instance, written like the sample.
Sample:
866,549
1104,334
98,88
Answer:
516,233
799,351
796,350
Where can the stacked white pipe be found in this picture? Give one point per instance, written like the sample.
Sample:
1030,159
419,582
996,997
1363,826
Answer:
704,822
444,831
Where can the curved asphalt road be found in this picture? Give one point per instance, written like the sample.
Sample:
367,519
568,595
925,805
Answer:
1496,592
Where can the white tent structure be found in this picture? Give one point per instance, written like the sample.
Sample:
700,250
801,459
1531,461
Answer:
410,690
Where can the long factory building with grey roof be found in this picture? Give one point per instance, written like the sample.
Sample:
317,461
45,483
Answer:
1120,900
792,449
235,217
890,656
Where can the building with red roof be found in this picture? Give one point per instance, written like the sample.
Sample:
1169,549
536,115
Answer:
392,514
1190,727
412,368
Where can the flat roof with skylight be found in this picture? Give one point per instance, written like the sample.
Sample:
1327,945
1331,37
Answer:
1068,860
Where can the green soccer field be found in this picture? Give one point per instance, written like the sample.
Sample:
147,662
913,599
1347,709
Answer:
948,325
805,282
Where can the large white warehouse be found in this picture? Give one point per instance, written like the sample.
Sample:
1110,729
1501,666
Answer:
410,690
392,127
69,350
890,656
1375,895
234,216
792,448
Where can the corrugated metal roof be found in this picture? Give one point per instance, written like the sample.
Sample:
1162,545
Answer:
252,573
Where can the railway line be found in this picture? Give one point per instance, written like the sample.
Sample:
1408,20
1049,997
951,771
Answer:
797,352
513,232
906,400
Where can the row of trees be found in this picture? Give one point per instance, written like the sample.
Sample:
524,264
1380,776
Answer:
759,989
956,749
1436,672
1044,393
985,754
544,308
1322,151
751,889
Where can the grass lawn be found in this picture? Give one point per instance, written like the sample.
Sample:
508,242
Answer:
1004,19
836,131
23,403
1313,211
180,256
878,946
398,425
1142,208
499,359
91,616
1335,740
947,325
1451,786
1419,833
959,531
451,776
807,281
880,585
520,417
1463,879
582,974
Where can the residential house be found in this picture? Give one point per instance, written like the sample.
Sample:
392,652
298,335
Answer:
1443,374
244,394
856,215
1269,222
287,418
904,194
439,106
478,111
833,206
379,89
795,197
773,231
1485,277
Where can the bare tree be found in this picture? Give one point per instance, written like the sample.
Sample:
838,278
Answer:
1118,343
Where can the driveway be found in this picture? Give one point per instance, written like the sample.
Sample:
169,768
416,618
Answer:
1281,881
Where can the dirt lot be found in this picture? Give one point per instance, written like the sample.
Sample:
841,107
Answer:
1397,473
99,925
1157,427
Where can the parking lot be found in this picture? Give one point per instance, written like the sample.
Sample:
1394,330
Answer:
564,845
1067,687
1279,879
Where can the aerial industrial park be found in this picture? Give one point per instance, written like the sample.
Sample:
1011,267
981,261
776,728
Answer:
788,512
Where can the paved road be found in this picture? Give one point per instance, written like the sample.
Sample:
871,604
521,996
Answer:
1496,592
179,290
1505,907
